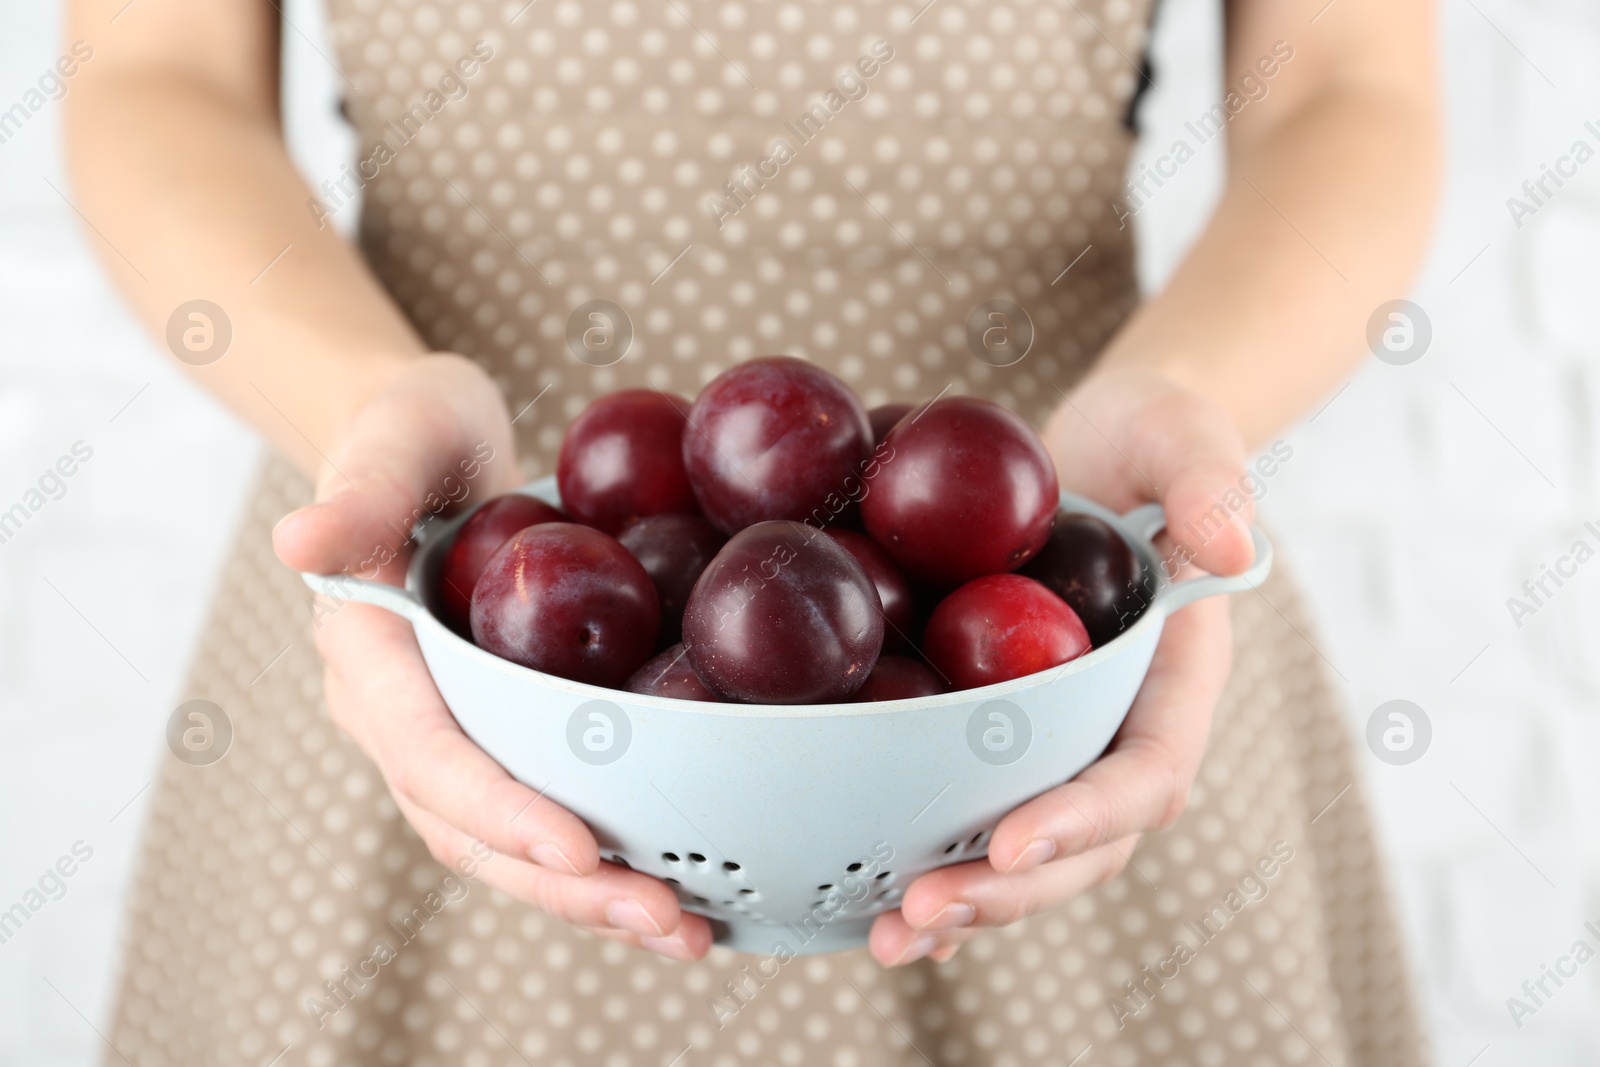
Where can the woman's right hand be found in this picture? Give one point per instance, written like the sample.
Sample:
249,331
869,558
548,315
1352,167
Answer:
404,444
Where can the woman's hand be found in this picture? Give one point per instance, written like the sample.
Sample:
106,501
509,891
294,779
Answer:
406,443
1125,437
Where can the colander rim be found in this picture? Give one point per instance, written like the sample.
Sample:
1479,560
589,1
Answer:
437,533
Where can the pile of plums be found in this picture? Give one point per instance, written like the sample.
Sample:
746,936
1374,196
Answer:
777,543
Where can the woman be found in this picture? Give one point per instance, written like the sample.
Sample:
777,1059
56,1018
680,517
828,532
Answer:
519,160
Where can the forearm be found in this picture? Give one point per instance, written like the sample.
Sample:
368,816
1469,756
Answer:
192,195
1323,218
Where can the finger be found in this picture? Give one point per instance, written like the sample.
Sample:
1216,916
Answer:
424,756
947,907
974,894
1142,782
343,698
612,897
689,942
1195,456
439,769
894,943
420,446
1149,439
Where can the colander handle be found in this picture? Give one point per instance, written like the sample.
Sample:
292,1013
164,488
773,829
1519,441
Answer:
344,587
1148,519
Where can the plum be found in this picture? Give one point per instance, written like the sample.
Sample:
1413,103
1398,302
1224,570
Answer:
775,438
567,600
622,459
783,615
968,490
1000,627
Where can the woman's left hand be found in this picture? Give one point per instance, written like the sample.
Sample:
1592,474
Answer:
1124,438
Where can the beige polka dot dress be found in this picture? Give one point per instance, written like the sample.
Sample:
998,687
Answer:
843,181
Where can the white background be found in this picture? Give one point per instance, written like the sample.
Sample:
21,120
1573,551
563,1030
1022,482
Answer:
1417,501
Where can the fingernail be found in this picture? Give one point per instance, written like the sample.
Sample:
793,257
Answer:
292,514
630,915
918,948
1038,851
667,946
951,916
1245,537
943,955
550,857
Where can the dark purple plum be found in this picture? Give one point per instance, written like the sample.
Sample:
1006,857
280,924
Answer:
567,600
783,615
898,678
670,674
775,438
489,527
883,417
622,459
673,550
1088,564
969,490
894,592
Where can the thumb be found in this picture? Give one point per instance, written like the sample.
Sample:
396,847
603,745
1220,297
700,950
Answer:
1195,456
435,437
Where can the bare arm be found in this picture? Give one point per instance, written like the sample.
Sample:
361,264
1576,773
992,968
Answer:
177,158
1328,202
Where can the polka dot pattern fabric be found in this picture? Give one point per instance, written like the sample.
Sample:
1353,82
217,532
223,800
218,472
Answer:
684,161
520,160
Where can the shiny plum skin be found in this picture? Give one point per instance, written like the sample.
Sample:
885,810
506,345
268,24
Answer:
898,678
1001,627
1088,564
894,591
674,550
622,459
783,615
489,527
968,490
567,600
775,438
669,674
883,417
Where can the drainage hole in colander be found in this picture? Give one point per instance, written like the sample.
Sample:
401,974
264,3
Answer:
729,865
701,900
885,874
671,857
620,862
975,839
853,868
747,892
696,857
824,887
672,881
952,848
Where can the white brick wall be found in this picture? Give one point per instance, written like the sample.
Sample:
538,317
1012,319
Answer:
1408,518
